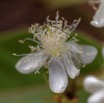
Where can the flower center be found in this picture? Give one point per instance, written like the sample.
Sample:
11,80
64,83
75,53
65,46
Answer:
52,35
54,42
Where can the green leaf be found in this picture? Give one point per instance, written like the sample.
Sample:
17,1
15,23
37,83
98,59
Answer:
82,96
30,94
9,77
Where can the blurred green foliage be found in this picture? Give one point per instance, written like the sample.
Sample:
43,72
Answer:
63,3
17,87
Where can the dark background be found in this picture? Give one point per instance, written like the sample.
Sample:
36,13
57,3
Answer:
15,14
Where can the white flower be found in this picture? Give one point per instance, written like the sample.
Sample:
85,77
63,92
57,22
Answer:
96,87
98,18
58,51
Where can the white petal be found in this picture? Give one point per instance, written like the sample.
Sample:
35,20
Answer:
77,63
98,18
73,47
57,76
70,67
89,54
31,62
74,52
96,24
103,51
92,84
98,97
